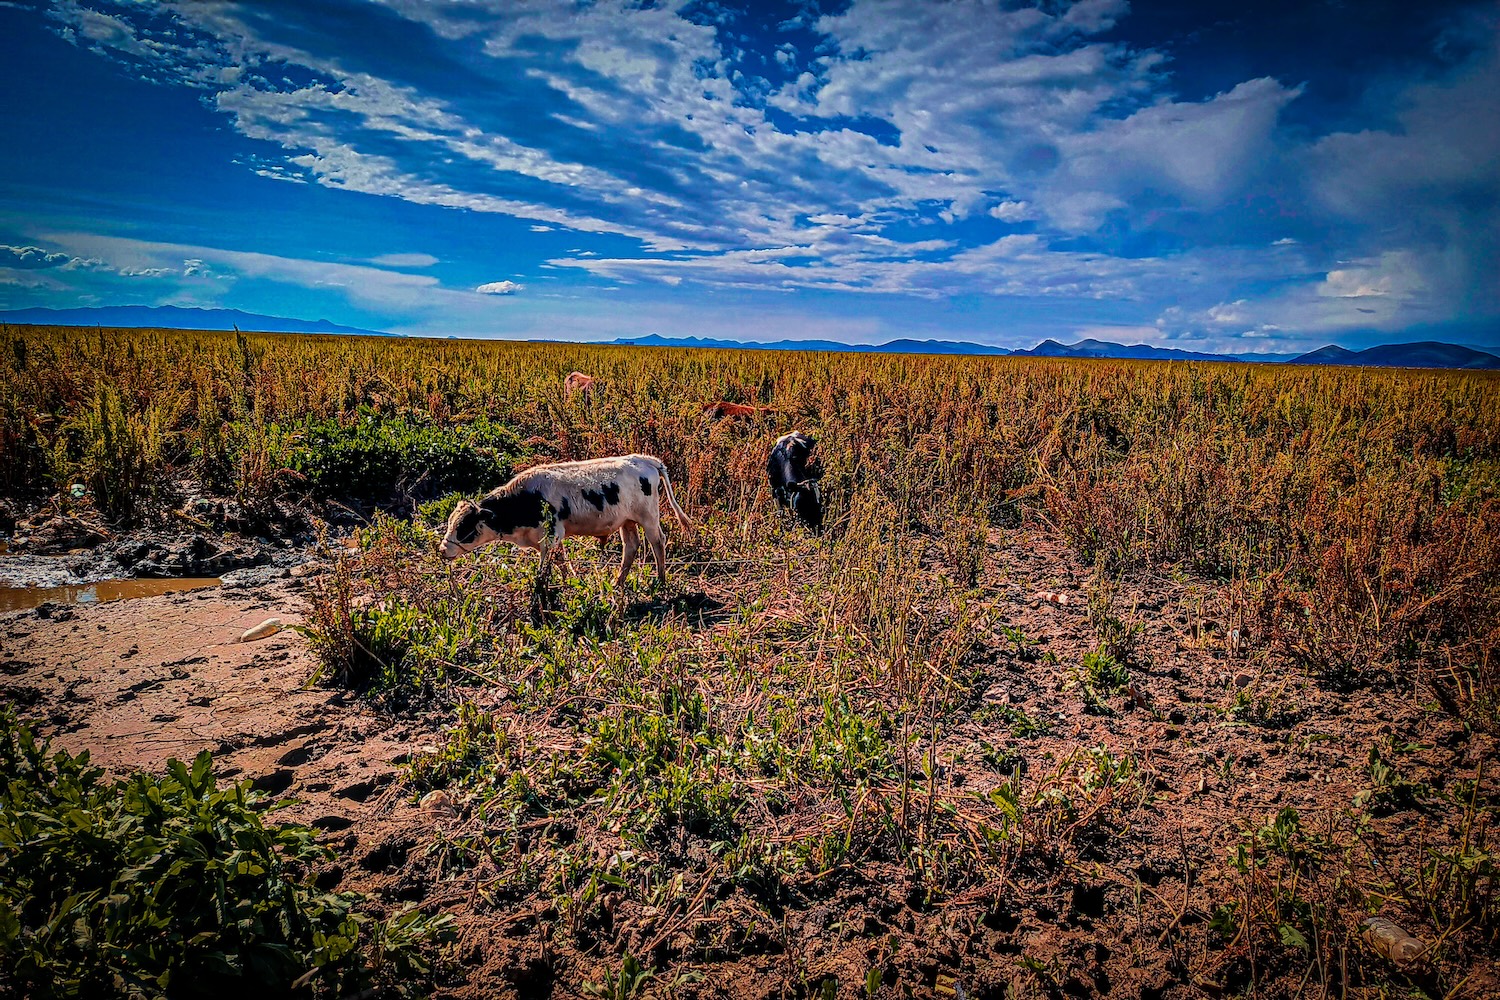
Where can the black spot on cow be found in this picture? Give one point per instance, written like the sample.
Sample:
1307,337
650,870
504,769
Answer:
612,493
645,486
594,497
506,512
565,511
467,525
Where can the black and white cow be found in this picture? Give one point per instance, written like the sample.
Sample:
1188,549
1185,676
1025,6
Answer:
792,483
544,505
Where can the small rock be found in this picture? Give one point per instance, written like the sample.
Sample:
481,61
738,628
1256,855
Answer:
1242,680
438,805
1389,940
269,627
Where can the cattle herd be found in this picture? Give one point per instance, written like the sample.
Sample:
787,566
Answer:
600,497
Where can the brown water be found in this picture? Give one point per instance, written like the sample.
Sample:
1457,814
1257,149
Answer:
22,598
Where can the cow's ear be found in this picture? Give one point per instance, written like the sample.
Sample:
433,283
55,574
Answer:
490,507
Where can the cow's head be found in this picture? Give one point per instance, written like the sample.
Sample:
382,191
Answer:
499,517
807,503
799,448
468,529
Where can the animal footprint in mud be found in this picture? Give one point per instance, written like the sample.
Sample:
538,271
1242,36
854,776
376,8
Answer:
332,824
362,790
391,854
276,782
297,757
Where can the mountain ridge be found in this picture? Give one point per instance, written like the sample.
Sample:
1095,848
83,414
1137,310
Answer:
177,318
902,346
1421,354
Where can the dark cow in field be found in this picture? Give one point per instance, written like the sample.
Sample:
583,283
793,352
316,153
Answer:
789,469
544,505
722,410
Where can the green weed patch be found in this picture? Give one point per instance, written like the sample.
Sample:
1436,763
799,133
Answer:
170,885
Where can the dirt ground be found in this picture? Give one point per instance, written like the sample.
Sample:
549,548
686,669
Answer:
135,682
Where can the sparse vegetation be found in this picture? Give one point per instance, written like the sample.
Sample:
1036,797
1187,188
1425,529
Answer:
858,746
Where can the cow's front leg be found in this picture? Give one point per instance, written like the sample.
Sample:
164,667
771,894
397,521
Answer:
544,548
561,554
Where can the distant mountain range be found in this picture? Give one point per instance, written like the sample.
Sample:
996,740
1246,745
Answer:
894,347
1426,354
1421,355
177,318
1136,352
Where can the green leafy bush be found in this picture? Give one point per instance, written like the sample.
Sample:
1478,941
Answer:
152,886
375,455
435,513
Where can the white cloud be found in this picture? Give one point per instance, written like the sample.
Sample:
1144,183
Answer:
499,288
359,285
1121,334
1228,313
404,260
1012,211
1394,275
1197,153
32,258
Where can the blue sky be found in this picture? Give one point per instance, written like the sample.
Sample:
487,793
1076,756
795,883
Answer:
1236,177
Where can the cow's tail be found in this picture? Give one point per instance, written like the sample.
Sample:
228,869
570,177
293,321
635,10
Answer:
666,482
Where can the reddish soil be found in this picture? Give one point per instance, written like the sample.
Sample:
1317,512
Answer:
1123,912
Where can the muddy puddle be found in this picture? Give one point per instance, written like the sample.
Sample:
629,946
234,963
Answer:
23,598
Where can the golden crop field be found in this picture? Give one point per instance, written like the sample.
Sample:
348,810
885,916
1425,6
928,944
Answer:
876,762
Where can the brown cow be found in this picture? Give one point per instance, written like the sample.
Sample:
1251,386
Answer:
722,409
578,382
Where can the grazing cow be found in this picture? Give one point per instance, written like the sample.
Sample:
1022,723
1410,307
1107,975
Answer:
578,382
721,410
545,504
792,482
